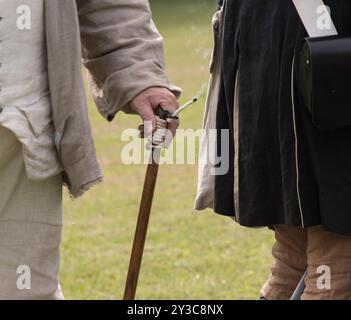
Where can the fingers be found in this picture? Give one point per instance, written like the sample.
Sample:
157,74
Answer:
160,137
146,102
173,125
141,131
143,106
171,105
148,116
168,101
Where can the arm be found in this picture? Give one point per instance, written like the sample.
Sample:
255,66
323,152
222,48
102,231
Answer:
123,52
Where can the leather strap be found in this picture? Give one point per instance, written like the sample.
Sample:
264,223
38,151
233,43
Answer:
308,12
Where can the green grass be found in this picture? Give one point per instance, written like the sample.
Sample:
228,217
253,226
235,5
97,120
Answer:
188,255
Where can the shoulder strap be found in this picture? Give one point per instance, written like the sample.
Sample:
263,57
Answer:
308,12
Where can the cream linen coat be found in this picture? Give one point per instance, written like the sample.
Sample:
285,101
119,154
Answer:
123,52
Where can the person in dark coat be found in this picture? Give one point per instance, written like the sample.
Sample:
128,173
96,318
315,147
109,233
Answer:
284,172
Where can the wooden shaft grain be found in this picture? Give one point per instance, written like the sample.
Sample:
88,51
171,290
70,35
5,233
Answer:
142,226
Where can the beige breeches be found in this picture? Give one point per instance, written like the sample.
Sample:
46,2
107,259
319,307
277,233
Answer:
30,228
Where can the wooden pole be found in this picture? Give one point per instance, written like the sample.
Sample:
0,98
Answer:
142,226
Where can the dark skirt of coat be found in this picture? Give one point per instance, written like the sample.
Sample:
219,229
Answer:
289,172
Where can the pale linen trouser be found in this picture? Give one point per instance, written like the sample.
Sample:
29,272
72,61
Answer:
325,255
30,227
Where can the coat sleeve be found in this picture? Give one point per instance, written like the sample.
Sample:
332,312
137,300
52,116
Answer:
123,51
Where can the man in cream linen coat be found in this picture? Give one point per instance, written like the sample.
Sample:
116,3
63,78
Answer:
45,137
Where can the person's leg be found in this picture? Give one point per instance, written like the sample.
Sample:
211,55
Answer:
329,266
30,228
290,262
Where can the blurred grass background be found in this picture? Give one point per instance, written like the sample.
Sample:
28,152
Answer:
188,255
